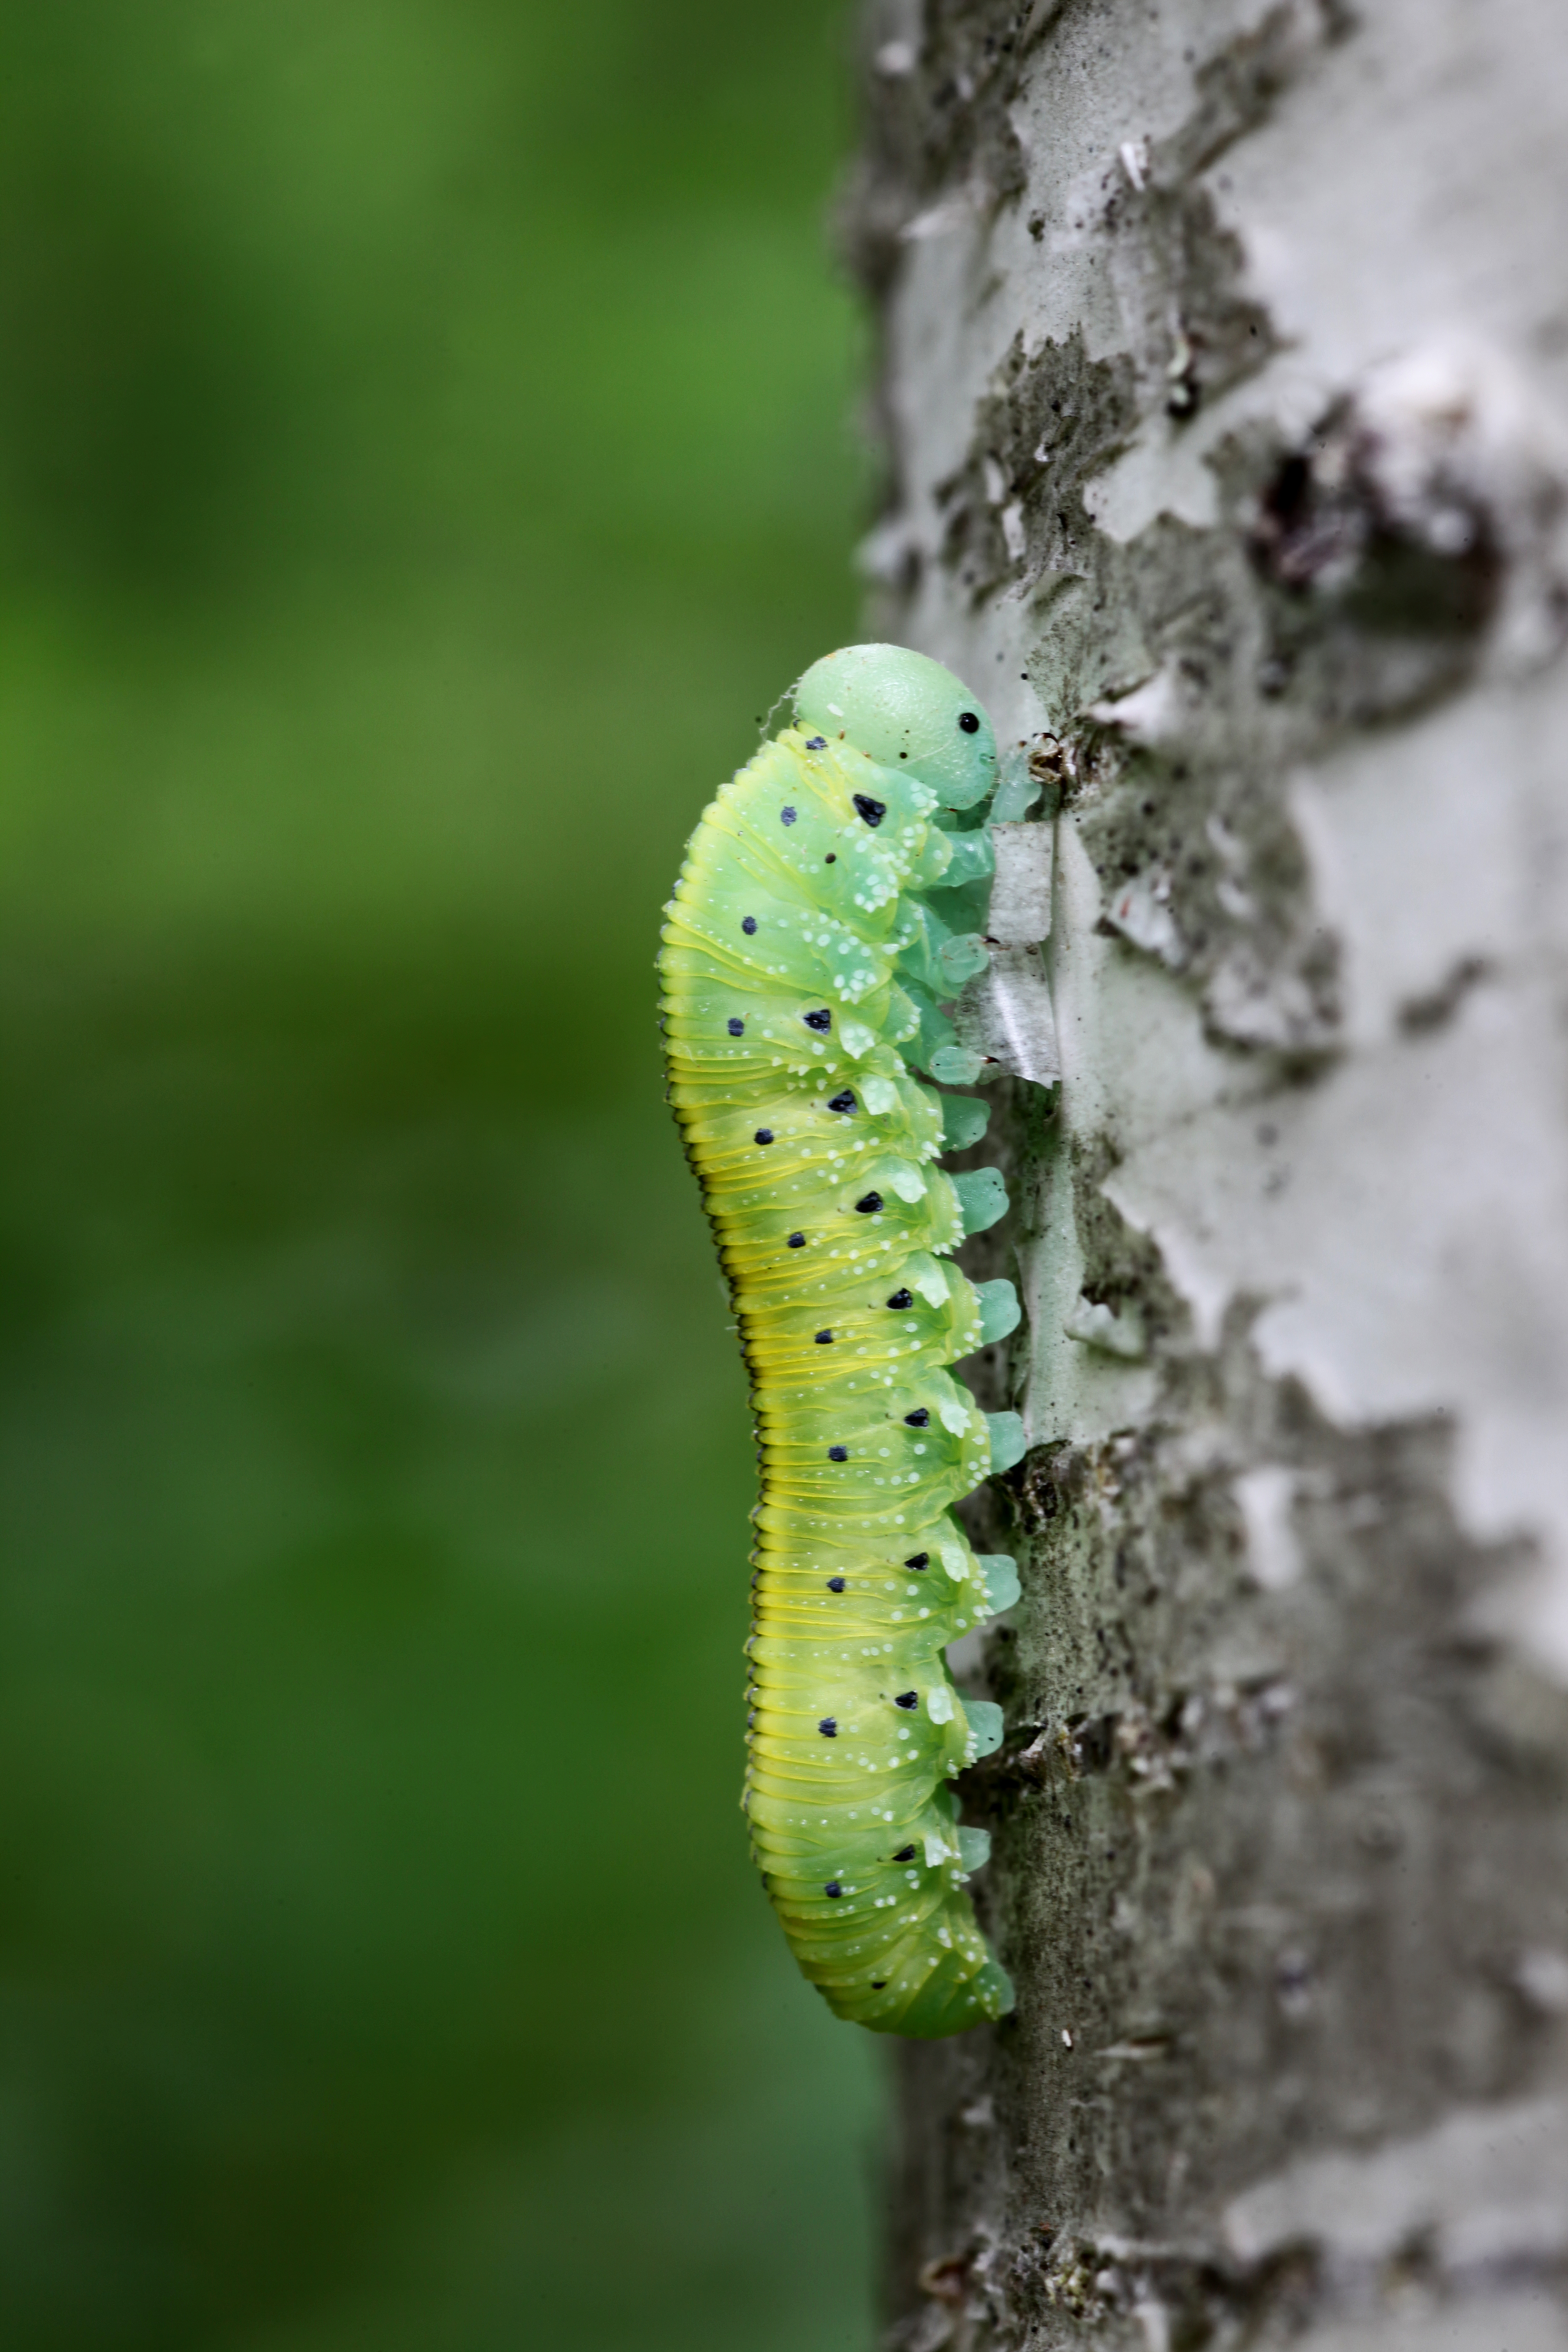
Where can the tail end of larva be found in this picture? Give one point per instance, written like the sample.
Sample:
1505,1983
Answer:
997,1995
949,2002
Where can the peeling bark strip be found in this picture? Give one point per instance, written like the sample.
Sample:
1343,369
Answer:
1224,386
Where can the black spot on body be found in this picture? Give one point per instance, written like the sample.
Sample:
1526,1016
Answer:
870,1206
824,1338
918,1419
844,1102
969,722
786,816
828,1727
816,742
735,1025
905,1854
821,1020
873,812
899,1300
908,1699
918,1559
831,859
749,925
836,1584
838,1453
833,1887
878,1984
798,1241
763,1135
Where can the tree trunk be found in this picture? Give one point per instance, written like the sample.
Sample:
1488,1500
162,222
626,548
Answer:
1225,372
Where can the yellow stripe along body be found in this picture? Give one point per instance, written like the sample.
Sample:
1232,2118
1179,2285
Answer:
815,1149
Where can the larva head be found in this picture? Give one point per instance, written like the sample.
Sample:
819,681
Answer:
908,713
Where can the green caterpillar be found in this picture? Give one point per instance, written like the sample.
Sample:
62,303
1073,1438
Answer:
831,900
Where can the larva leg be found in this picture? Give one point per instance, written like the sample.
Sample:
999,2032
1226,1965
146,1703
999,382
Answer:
831,901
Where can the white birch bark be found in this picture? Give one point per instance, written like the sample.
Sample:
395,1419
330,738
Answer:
1226,392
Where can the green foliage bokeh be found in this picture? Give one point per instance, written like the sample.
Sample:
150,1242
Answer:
424,453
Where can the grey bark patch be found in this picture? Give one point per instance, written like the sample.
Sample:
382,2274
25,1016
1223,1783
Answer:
941,79
1485,2186
1494,2323
1096,1325
1050,420
1020,910
1006,1015
1184,1840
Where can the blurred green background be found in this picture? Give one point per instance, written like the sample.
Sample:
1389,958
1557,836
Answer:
425,449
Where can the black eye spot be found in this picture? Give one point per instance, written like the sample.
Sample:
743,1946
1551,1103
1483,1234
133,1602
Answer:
899,1300
763,1135
846,1101
870,1205
878,1984
908,1699
838,1453
918,1419
824,1338
969,722
872,811
831,859
819,1021
798,1241
918,1559
816,742
737,1028
786,816
749,925
836,1584
828,1727
905,1854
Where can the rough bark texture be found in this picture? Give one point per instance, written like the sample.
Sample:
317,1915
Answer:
1225,387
